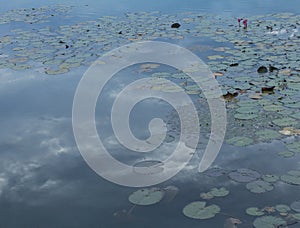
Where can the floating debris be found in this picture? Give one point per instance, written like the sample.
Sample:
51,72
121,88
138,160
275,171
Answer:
175,25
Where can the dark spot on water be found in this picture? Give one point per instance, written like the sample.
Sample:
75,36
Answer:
175,25
262,70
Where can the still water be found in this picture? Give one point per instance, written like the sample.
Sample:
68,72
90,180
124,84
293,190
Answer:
45,182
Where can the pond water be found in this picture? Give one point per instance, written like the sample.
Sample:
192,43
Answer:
46,49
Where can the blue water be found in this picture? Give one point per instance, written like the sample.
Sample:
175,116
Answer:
44,181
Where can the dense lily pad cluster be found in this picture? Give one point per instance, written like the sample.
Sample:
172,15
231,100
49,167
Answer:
280,215
33,15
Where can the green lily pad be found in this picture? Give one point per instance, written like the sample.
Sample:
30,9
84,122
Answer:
296,216
244,175
293,177
294,147
269,222
259,186
267,134
296,115
147,196
206,196
296,206
270,178
245,116
199,210
240,141
219,192
285,122
286,154
273,108
281,208
254,211
247,110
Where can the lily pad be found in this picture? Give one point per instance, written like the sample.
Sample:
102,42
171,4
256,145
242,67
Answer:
206,196
244,175
259,186
219,192
286,154
296,206
269,222
240,141
293,177
199,210
245,116
270,178
294,147
147,196
254,211
282,208
285,122
267,134
296,216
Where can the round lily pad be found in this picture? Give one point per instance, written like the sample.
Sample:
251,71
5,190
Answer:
293,177
267,134
215,172
247,109
296,206
281,208
240,141
219,192
244,175
206,196
245,116
286,154
273,108
254,211
199,210
296,216
294,147
270,178
147,196
259,186
269,222
284,122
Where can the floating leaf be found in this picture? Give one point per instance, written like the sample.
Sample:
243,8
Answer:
296,216
245,116
286,154
219,192
294,147
254,211
259,186
199,210
282,208
215,172
273,108
267,134
269,222
206,196
147,196
270,178
240,141
293,177
244,175
284,122
296,206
